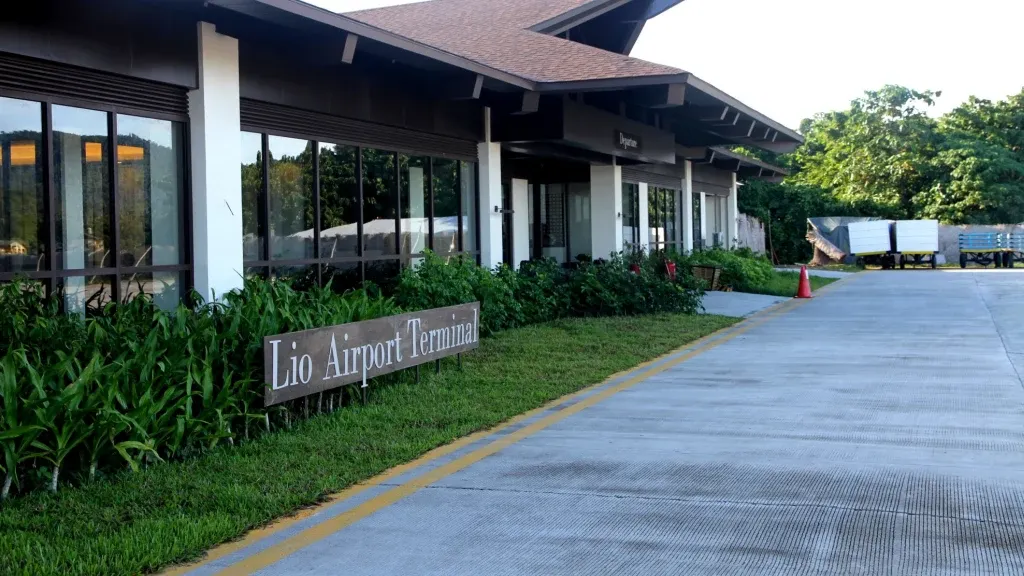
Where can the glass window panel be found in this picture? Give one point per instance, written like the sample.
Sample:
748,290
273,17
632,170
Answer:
413,171
670,216
342,276
81,179
339,201
653,216
23,232
300,277
630,217
446,206
380,195
383,273
150,184
468,186
291,175
252,194
579,220
165,288
86,294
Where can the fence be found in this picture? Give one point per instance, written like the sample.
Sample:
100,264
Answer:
750,233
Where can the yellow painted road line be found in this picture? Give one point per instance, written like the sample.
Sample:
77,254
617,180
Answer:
330,526
300,540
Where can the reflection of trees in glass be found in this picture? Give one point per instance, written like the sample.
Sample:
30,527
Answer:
380,191
22,233
149,193
252,191
446,205
291,200
339,188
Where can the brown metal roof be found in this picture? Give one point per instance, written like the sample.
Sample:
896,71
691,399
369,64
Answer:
496,33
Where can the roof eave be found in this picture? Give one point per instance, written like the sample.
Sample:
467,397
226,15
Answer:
748,161
738,106
352,26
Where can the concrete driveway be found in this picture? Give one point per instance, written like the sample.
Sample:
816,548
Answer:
878,429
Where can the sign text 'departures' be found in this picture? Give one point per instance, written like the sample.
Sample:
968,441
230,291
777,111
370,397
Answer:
304,363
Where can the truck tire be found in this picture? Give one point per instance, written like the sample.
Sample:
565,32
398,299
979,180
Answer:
1008,260
963,260
935,261
903,261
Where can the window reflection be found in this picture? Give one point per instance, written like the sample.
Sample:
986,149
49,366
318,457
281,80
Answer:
22,224
415,199
339,201
395,213
467,184
82,186
165,288
292,174
380,193
630,215
150,185
252,191
86,294
447,195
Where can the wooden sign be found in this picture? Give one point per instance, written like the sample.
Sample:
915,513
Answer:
303,363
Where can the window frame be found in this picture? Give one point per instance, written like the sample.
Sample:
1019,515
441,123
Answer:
52,276
266,266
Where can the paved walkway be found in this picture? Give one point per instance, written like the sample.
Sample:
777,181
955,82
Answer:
877,429
738,304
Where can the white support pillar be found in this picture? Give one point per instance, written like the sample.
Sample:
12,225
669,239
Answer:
644,218
606,210
703,219
687,212
489,156
732,214
216,161
520,222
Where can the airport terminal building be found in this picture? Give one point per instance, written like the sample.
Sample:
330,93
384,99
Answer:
160,145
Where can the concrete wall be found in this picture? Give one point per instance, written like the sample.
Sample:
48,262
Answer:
751,233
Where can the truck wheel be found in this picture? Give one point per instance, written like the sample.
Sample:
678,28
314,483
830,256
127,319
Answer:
963,260
903,261
997,260
935,261
1008,260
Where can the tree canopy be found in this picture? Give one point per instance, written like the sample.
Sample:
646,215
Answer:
886,156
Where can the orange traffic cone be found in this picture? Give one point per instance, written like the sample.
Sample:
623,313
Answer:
804,290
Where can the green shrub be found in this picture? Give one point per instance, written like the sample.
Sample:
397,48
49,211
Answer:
133,384
542,290
742,270
130,384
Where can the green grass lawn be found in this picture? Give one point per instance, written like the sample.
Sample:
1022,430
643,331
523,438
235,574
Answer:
785,284
172,513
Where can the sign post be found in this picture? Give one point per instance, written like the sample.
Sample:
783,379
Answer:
298,364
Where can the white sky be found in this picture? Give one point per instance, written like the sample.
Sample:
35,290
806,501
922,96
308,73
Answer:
791,58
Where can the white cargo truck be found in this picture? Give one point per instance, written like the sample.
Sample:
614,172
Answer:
871,242
917,242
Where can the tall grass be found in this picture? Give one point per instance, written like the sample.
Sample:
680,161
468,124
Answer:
133,384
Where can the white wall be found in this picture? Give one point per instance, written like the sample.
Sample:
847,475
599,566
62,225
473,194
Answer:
579,220
644,217
605,208
687,212
520,222
732,214
216,161
489,154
